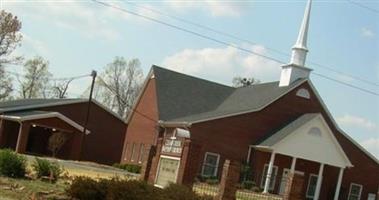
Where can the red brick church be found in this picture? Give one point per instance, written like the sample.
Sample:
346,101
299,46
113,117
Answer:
277,128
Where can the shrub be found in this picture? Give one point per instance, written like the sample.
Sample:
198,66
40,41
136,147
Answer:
12,164
129,167
85,188
45,168
133,190
212,180
248,185
176,191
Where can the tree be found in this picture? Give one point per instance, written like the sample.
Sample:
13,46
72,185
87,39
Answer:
119,84
243,82
5,85
10,38
59,89
56,141
35,83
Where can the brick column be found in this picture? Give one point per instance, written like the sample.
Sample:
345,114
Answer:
2,133
148,154
229,180
22,139
287,191
155,161
183,163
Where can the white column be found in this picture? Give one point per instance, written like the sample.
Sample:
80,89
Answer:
249,155
338,187
319,181
269,173
293,165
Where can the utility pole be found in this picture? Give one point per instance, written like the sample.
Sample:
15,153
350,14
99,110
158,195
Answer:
93,74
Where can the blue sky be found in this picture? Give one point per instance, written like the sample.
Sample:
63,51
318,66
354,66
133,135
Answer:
77,36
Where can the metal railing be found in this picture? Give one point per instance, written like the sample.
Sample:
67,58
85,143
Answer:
205,189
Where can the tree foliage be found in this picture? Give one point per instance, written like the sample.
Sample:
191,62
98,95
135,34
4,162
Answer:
6,87
243,82
118,86
35,82
10,38
56,141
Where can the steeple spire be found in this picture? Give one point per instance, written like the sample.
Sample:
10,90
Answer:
296,68
299,50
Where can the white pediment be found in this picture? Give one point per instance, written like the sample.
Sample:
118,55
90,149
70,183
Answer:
313,141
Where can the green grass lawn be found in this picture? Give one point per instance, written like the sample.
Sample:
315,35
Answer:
20,189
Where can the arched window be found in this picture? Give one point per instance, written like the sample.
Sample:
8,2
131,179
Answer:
303,93
315,131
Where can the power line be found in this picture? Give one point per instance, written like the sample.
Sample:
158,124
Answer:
124,102
249,42
347,84
221,42
363,6
52,79
188,31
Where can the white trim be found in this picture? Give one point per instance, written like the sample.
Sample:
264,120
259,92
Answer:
217,162
360,190
44,116
339,182
159,165
249,154
336,125
309,181
333,138
263,178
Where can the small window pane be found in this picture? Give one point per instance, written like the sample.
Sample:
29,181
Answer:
211,159
208,170
355,192
210,164
312,186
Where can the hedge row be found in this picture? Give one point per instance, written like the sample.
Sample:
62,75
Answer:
84,188
14,165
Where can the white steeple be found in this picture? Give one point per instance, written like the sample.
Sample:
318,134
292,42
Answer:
296,69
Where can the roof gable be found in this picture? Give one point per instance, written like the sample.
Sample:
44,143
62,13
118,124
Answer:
185,98
180,95
310,138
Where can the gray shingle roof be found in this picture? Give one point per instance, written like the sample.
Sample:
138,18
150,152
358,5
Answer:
287,130
190,99
23,104
182,95
27,113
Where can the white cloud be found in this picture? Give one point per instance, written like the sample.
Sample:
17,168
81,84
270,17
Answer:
355,121
88,19
215,8
33,45
222,64
372,145
367,33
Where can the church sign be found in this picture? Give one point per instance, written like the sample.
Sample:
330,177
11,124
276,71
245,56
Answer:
172,146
